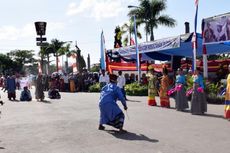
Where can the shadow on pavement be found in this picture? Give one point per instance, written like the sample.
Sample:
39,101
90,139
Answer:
2,148
136,101
131,136
45,101
214,115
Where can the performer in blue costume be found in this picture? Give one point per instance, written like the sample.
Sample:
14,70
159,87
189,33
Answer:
198,102
181,99
110,113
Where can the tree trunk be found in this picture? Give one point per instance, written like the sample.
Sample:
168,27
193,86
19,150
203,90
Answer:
130,35
152,35
48,64
57,63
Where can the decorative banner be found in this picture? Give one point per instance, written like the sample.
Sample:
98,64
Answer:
216,29
162,44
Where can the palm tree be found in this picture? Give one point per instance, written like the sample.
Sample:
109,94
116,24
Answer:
45,52
149,13
128,29
58,49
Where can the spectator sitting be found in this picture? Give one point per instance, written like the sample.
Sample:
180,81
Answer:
25,94
53,93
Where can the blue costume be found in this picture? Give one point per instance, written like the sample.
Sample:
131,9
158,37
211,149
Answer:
181,99
180,79
198,102
110,113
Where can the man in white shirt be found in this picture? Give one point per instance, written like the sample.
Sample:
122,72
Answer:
121,83
66,82
104,79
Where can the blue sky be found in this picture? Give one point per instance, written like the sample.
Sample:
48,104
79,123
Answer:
83,21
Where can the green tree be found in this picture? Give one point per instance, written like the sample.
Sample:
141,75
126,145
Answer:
117,37
149,13
45,52
128,30
95,68
57,49
7,64
21,57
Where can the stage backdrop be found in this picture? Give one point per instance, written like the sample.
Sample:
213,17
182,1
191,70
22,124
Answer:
216,29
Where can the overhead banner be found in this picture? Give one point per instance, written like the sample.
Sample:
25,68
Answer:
163,44
216,29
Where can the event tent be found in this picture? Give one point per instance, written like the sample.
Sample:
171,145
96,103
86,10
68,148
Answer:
184,49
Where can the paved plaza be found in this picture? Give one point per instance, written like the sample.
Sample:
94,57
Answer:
70,125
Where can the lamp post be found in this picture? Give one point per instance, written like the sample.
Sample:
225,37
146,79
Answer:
40,27
137,50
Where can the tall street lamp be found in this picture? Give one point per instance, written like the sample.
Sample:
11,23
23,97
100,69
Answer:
40,27
137,50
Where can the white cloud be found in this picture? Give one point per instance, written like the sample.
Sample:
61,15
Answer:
97,9
106,9
10,32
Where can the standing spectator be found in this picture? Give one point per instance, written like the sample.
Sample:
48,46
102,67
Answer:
39,94
198,102
72,83
121,83
104,79
11,87
66,82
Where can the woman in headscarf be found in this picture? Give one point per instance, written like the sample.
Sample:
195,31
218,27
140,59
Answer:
181,99
164,98
39,94
198,102
152,89
227,98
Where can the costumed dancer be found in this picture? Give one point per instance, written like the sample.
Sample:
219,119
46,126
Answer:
198,102
110,113
152,89
164,98
39,94
227,98
181,99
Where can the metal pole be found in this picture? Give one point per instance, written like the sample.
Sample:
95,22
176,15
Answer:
137,51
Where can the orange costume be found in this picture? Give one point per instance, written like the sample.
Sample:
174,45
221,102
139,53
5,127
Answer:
164,98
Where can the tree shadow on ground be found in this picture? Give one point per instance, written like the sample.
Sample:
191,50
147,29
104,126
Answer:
131,136
2,148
